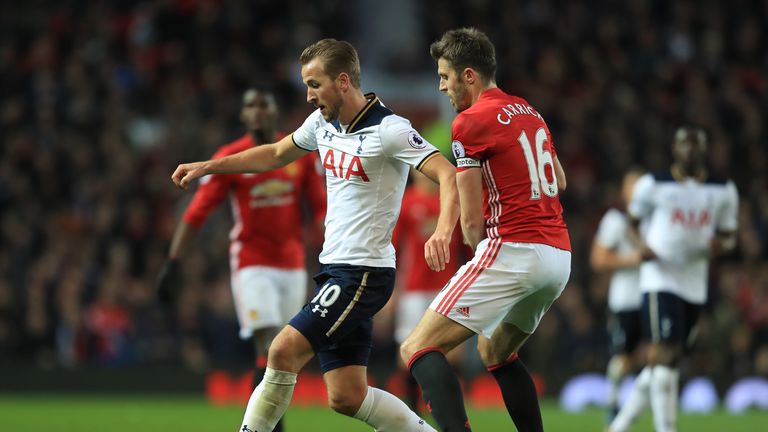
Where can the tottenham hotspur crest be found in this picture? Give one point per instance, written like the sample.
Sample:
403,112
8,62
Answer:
360,147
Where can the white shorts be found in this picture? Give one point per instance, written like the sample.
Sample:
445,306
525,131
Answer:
511,282
267,297
410,308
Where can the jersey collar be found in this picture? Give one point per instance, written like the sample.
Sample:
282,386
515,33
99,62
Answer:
362,114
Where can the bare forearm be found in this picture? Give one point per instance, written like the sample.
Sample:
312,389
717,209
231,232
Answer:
611,261
449,203
473,234
255,160
182,237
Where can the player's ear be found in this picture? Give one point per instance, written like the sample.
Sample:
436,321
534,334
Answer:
469,75
343,81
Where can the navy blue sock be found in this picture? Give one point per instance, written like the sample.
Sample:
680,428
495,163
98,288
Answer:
441,390
519,394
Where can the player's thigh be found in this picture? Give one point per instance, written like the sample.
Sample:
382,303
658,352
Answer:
256,295
668,323
338,319
545,272
510,282
434,331
625,330
410,308
506,340
292,291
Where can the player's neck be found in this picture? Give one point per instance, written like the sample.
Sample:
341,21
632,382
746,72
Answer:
680,172
356,101
261,136
478,91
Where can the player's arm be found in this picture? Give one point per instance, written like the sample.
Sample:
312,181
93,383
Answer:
470,185
603,258
633,231
258,159
722,243
437,249
560,176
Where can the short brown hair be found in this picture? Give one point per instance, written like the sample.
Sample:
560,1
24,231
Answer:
467,48
338,56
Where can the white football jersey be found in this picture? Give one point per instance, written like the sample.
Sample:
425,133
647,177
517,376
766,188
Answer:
624,292
366,169
682,217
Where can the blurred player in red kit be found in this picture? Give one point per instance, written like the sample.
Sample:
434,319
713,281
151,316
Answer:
509,179
269,280
418,219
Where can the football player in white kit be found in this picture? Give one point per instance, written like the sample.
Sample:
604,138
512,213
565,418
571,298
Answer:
691,217
615,250
367,152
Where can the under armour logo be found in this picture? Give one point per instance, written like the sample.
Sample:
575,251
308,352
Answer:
327,135
245,429
322,311
360,147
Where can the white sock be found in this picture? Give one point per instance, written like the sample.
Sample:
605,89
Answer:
635,404
664,383
387,413
614,374
268,401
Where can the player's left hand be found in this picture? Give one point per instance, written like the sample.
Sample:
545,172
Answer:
437,250
185,173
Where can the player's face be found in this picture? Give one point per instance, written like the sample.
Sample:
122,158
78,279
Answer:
322,90
259,111
452,84
689,148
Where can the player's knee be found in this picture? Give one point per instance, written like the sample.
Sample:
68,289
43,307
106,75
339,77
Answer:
663,354
281,354
490,355
346,401
408,348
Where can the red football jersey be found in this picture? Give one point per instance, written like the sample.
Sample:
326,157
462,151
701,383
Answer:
266,208
506,138
417,222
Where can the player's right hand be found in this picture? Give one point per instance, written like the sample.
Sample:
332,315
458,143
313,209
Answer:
647,253
167,281
185,173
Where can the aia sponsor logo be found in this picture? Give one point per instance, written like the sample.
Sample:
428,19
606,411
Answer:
691,218
344,166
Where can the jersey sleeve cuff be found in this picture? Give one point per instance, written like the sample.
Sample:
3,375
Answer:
428,157
293,140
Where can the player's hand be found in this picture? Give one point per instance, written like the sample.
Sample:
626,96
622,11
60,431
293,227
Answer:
647,253
185,173
437,250
167,282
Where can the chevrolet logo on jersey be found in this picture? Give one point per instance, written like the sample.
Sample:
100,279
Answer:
272,187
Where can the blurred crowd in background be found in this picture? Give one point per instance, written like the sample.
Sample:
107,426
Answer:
100,100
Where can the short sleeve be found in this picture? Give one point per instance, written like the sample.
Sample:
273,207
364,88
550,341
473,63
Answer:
611,230
729,211
641,204
304,137
468,143
400,141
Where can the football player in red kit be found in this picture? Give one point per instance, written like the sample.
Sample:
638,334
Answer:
268,279
509,179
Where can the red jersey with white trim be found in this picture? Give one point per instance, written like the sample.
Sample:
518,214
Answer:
418,219
267,208
509,140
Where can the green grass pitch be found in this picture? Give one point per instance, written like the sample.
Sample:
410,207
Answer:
113,413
